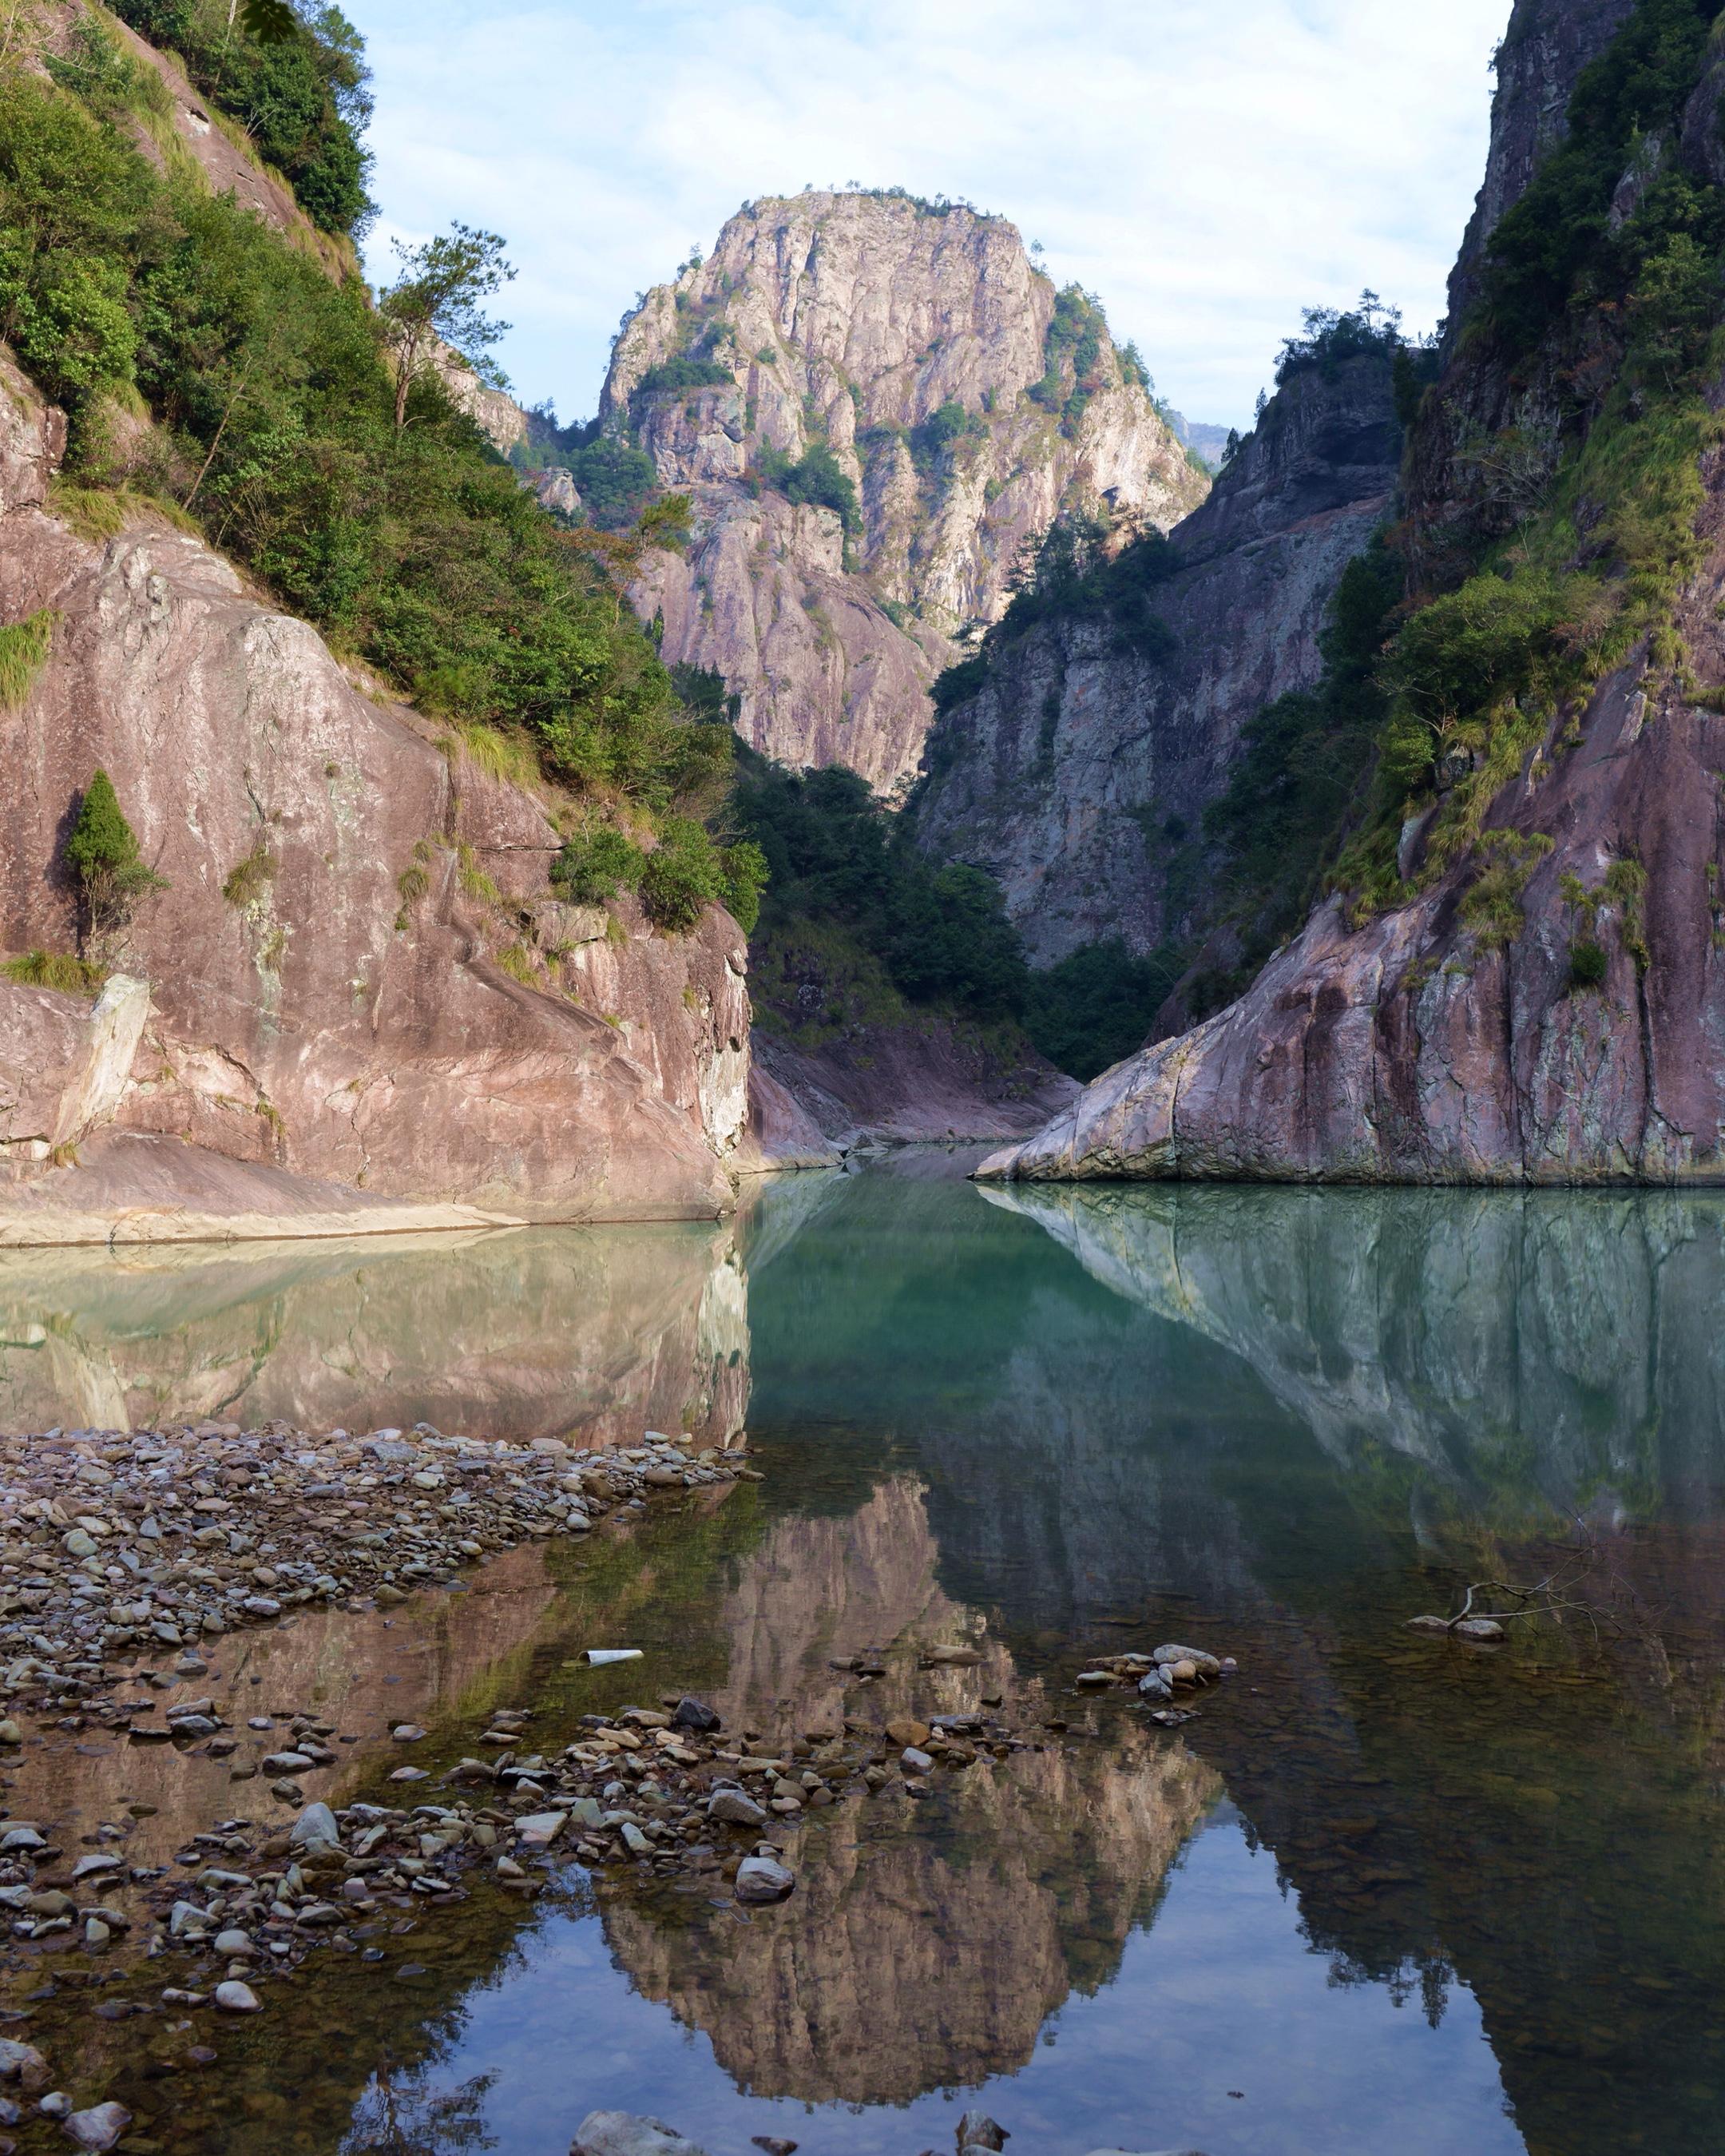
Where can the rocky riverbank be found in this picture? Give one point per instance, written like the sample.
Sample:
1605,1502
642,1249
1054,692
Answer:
115,1543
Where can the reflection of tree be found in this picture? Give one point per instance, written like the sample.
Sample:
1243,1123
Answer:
401,2117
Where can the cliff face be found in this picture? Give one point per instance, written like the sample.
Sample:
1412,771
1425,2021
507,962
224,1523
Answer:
852,321
1442,1041
329,1031
1544,48
1078,774
1404,1052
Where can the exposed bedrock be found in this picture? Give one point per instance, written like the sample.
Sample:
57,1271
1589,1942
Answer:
308,1011
849,322
1077,776
1406,1051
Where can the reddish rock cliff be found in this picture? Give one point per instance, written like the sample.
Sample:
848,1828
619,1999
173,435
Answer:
314,1006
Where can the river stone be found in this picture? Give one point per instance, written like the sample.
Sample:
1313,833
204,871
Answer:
1206,1665
234,1943
1479,1628
622,2134
977,2130
916,1762
98,2128
87,1868
288,1764
78,1543
760,1879
586,1811
539,1829
316,1823
23,2063
905,1731
236,1997
733,1806
960,1658
694,1714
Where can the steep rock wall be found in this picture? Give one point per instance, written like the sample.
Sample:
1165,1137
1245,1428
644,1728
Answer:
851,320
1544,51
1406,1052
1412,1049
1077,777
309,1014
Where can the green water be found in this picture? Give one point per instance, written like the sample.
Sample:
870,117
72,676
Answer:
1385,1892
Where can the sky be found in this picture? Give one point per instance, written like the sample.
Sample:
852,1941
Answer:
1206,168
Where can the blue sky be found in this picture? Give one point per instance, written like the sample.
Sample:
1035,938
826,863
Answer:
1207,166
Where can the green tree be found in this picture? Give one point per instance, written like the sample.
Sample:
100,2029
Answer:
102,853
436,296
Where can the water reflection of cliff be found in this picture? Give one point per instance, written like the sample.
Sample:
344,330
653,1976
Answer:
919,1953
1539,1349
520,1333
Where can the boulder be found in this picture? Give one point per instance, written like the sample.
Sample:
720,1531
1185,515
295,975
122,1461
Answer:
761,1879
626,2133
735,1808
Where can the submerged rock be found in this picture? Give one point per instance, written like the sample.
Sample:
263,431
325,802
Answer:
760,1879
626,2133
98,2128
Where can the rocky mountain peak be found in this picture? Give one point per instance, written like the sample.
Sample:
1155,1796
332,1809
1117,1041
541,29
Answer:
878,400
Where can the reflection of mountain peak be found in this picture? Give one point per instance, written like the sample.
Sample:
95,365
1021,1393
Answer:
916,1955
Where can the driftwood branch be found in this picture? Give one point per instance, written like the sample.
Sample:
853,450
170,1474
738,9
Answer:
1545,1598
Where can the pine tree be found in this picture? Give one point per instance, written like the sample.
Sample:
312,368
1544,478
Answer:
102,842
102,853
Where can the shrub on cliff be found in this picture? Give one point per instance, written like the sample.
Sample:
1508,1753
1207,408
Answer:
595,865
415,548
1573,531
102,853
305,102
816,477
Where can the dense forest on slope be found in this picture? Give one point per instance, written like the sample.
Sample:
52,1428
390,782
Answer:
303,103
213,372
850,895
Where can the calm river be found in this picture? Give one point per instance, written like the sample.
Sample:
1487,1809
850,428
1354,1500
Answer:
1385,1892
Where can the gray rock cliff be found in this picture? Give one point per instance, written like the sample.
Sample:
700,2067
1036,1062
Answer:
1078,774
1417,1037
359,984
850,320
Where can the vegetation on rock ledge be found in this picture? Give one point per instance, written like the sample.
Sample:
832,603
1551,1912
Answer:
241,384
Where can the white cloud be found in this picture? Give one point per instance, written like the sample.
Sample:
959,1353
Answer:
1208,167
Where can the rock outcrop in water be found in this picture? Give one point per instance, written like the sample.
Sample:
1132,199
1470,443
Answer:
325,995
963,402
1078,774
1542,1002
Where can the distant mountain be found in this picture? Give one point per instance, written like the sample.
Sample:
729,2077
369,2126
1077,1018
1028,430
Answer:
874,401
1209,441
